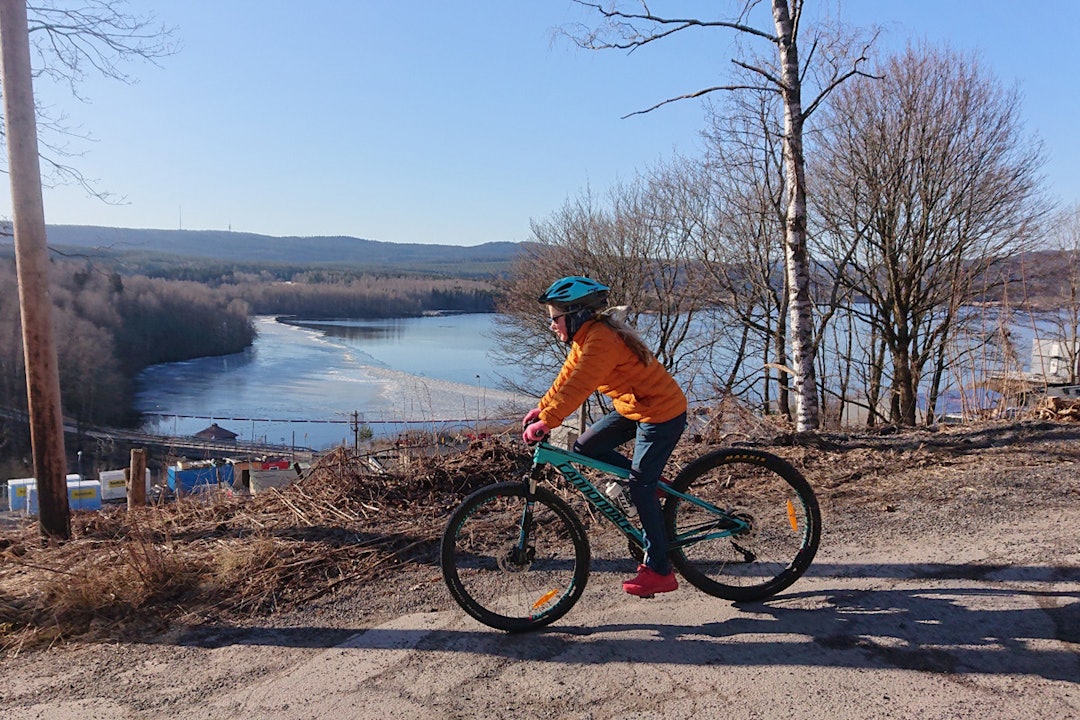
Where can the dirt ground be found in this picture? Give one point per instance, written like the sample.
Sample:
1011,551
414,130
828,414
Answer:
947,586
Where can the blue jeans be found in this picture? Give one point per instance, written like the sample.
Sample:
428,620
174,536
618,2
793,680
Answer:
653,445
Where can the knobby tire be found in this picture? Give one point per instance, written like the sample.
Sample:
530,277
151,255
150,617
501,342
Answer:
768,493
493,580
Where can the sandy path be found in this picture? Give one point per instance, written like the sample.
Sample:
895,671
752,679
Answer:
974,626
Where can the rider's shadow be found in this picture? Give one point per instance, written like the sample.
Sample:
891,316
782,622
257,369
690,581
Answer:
943,619
934,626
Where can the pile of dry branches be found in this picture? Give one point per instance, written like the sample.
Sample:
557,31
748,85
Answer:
217,555
1058,409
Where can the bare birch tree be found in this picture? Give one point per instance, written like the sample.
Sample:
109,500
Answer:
783,74
746,253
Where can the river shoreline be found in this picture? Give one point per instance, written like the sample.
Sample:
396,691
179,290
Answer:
309,384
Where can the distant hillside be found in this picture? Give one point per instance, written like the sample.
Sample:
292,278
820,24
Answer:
250,248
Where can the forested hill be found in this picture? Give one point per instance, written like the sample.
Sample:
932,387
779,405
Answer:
485,259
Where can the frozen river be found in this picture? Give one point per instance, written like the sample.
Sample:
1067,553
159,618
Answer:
302,385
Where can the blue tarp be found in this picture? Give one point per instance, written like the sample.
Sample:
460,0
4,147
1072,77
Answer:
187,480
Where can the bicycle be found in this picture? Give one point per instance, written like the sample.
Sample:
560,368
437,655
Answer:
742,525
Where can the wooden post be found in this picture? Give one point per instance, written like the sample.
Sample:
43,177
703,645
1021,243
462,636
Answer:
136,490
32,267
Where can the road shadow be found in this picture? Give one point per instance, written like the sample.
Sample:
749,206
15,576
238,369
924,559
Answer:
950,620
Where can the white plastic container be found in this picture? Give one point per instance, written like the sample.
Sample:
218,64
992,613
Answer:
17,490
113,486
82,495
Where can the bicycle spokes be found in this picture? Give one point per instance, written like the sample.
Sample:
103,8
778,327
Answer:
749,525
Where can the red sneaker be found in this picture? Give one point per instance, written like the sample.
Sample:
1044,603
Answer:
649,582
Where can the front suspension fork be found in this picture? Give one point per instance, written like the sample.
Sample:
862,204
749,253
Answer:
522,553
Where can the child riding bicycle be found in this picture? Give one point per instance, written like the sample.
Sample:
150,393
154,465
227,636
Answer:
650,408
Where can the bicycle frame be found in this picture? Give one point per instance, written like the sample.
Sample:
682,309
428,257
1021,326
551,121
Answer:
564,460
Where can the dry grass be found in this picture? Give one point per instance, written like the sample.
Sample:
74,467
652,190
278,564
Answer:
211,557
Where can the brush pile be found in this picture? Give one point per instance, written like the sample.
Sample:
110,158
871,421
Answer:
1058,409
216,556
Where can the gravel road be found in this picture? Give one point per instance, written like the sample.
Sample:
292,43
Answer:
955,598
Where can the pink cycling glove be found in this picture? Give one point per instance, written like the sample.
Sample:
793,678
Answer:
535,432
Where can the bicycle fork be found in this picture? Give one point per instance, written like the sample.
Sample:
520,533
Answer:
523,553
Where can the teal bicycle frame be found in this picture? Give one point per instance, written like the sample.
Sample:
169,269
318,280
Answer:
725,524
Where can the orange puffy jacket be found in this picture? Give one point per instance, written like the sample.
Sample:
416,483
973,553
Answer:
600,360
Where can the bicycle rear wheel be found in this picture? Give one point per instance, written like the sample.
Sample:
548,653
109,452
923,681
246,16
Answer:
765,492
513,565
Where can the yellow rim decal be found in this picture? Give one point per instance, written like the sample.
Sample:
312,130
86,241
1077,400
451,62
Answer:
791,516
544,599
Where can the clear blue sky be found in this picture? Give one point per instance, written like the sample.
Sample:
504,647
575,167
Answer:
457,123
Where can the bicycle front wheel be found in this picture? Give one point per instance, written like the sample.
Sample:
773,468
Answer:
513,564
778,531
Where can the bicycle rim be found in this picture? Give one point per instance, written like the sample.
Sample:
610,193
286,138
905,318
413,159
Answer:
496,581
764,491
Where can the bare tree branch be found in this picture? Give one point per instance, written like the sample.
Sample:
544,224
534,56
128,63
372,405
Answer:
100,36
69,42
633,39
699,93
776,81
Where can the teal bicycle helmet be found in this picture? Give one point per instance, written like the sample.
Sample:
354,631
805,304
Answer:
578,297
575,293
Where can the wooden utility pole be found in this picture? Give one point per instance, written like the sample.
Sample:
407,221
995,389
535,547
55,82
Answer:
32,266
